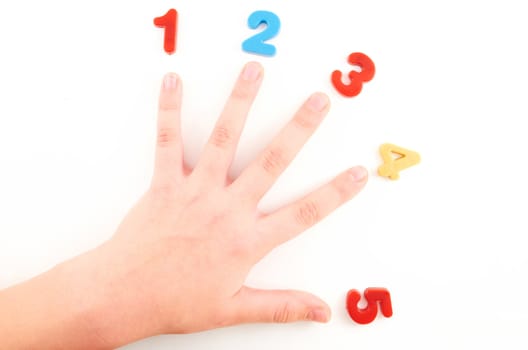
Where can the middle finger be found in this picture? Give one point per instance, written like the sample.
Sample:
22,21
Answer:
260,175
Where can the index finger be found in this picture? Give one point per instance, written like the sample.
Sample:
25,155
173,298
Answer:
220,150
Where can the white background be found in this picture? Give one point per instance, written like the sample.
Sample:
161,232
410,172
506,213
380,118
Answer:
78,91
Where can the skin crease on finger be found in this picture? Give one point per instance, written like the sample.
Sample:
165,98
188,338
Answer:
179,259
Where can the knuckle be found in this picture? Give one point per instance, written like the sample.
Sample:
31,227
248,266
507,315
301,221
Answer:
308,214
221,136
306,120
284,314
221,320
241,92
162,191
166,136
169,103
273,162
241,249
169,106
344,188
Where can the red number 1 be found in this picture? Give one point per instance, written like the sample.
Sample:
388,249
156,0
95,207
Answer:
170,23
373,296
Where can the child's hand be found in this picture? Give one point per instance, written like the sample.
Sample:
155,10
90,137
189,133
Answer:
178,261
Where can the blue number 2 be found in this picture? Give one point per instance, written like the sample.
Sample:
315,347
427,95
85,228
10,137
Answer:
256,44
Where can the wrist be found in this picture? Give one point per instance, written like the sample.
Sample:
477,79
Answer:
48,312
84,301
110,308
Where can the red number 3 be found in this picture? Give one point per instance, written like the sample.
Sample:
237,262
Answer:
373,296
356,78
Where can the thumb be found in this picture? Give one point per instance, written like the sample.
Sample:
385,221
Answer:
278,306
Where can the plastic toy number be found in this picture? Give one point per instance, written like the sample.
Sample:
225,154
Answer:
356,78
256,44
392,166
373,296
170,22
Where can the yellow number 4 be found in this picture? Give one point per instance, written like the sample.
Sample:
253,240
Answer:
396,159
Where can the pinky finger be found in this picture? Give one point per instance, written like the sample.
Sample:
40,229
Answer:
288,222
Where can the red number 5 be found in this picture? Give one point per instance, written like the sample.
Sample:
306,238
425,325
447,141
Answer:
356,78
373,296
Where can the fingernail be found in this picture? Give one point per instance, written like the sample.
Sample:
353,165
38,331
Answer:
318,102
318,315
358,173
170,81
252,71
